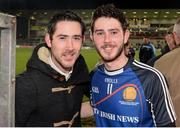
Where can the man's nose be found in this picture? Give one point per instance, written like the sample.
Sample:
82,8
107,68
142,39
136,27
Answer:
69,43
107,38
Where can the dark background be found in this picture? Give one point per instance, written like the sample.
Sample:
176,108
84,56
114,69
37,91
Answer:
87,4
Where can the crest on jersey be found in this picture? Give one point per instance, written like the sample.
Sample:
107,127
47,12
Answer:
129,94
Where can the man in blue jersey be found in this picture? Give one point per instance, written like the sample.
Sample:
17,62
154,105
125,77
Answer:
125,92
147,50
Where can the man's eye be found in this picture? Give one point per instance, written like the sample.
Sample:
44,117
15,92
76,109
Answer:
62,38
100,33
77,38
114,33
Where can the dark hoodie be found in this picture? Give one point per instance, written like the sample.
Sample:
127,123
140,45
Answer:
43,96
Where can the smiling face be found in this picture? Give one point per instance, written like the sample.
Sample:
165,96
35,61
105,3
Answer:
65,44
109,38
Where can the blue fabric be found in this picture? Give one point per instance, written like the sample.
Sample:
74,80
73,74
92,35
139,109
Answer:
128,98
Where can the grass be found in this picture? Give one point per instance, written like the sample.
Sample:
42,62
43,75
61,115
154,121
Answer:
23,54
90,55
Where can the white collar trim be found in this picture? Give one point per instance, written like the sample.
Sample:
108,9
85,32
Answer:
111,73
67,75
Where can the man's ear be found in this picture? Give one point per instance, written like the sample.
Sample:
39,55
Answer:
83,38
91,35
126,36
48,40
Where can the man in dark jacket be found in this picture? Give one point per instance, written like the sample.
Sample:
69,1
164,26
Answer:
50,92
146,51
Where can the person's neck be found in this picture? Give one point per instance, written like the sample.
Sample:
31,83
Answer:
117,63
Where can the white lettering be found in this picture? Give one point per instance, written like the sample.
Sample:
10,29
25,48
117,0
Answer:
110,80
96,111
128,119
114,117
95,89
129,103
107,115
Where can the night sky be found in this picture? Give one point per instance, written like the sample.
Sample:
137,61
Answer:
87,4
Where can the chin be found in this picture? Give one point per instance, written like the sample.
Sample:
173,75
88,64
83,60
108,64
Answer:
109,58
69,65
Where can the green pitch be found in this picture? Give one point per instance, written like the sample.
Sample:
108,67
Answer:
23,54
90,55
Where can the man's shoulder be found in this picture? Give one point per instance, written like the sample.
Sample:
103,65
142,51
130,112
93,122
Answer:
26,77
145,70
96,69
146,46
167,59
22,75
172,55
151,61
80,62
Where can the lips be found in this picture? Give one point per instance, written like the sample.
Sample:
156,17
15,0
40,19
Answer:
69,56
108,48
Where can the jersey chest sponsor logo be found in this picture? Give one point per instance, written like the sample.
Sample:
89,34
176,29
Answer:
129,94
115,117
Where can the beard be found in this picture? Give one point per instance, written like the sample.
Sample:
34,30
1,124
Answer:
66,61
110,59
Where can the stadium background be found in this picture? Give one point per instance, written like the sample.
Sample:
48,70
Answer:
150,17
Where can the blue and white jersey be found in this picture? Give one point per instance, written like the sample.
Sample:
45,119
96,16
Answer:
136,95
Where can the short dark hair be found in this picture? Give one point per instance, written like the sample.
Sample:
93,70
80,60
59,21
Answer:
64,16
109,10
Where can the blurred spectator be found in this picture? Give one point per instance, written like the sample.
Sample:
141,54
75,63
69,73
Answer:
168,47
129,50
159,45
169,65
146,51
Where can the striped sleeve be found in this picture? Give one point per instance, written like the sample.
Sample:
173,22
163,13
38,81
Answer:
159,97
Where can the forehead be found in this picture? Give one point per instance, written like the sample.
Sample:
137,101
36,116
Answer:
68,27
107,23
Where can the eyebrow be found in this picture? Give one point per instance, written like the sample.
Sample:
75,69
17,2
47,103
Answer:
62,35
77,35
113,29
98,30
68,35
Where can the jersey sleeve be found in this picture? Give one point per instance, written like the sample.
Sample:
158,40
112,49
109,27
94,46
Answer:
160,100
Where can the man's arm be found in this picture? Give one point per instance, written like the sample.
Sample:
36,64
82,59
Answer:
25,100
162,104
86,110
173,124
